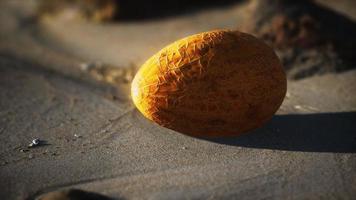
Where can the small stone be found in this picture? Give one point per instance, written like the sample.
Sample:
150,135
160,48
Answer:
23,150
35,142
184,148
299,107
30,156
77,136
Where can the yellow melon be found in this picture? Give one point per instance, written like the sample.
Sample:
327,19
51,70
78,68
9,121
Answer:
217,83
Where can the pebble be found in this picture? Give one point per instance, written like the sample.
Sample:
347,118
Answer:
23,150
298,107
35,142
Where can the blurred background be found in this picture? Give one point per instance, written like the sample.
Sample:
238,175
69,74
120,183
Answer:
309,36
65,73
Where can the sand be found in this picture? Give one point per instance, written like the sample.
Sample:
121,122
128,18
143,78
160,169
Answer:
95,140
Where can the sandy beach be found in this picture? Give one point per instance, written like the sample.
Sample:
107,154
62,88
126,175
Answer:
94,138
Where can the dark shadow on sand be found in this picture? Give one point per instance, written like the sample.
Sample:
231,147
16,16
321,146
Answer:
322,132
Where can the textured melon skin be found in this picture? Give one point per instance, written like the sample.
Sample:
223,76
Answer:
217,83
